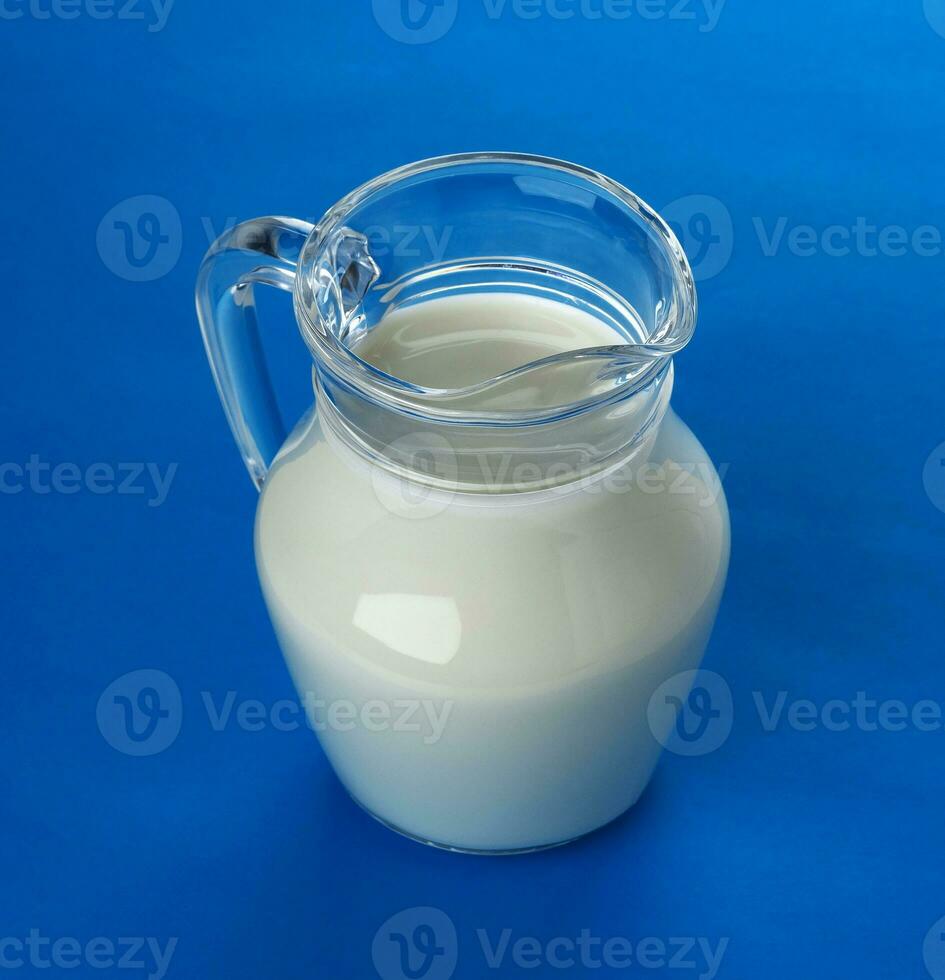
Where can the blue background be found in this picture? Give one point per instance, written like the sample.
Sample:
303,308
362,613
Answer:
817,378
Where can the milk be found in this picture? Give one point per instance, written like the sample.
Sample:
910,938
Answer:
488,657
463,340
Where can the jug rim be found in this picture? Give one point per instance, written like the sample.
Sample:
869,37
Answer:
638,364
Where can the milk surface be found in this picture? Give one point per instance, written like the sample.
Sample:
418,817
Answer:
527,631
463,340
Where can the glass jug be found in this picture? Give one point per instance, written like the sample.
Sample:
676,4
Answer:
490,542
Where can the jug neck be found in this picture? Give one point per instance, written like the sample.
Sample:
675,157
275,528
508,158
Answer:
479,457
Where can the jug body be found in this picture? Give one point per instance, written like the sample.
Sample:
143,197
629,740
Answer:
479,671
490,540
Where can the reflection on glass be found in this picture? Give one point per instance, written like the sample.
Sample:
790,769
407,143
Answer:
426,627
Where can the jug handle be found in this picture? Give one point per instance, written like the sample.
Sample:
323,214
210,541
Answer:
265,250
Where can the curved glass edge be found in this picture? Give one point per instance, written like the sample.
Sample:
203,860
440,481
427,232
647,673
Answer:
433,404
